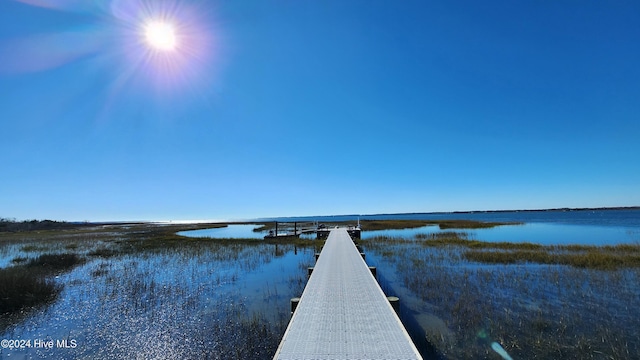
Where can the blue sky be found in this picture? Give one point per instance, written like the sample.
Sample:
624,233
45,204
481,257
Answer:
292,108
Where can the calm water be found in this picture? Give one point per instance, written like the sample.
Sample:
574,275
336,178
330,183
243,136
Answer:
229,232
624,218
190,303
599,227
540,233
238,232
604,227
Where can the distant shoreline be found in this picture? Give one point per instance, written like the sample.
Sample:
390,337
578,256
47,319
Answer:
479,211
544,210
262,219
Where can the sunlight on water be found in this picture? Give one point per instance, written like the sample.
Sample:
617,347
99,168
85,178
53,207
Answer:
220,299
498,349
194,303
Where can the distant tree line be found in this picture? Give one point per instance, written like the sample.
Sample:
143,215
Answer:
11,225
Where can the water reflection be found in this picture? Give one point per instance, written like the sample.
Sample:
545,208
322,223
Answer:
236,232
228,232
555,234
540,233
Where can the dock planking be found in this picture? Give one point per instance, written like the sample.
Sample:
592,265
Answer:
343,313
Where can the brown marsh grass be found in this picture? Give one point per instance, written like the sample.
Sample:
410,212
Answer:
138,282
573,302
369,225
583,256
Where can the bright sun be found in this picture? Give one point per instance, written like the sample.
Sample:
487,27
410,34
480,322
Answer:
160,35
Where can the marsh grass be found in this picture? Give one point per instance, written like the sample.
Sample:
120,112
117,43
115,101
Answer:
20,289
33,248
29,284
54,262
371,225
103,252
190,291
158,239
450,238
145,281
19,259
536,301
471,224
368,225
582,256
592,259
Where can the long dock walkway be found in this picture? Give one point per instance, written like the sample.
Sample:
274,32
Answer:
343,313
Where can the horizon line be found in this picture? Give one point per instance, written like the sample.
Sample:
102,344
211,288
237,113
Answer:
207,221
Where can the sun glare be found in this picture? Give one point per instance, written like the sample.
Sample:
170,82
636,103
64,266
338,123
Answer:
166,45
160,35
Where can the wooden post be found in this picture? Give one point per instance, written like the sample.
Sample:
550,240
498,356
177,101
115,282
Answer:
294,304
395,303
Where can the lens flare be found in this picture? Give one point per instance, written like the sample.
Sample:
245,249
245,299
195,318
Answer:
160,35
167,45
501,351
167,48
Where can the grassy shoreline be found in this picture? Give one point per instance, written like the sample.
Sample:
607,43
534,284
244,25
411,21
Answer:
535,301
442,224
372,225
26,282
118,275
606,257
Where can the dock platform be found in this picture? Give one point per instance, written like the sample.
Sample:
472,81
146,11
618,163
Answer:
343,313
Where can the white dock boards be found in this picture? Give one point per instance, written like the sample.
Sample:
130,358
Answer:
343,313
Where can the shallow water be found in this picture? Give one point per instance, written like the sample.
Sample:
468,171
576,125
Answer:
558,234
231,300
534,311
189,303
228,232
539,233
545,233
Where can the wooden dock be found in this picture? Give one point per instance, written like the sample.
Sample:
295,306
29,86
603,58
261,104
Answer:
343,313
275,234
